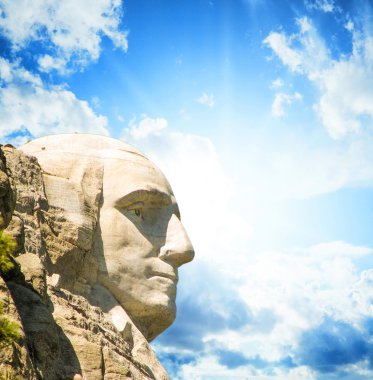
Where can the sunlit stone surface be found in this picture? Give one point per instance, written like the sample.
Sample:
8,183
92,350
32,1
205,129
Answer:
99,246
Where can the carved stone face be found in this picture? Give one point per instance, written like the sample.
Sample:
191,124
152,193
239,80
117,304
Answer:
120,209
143,240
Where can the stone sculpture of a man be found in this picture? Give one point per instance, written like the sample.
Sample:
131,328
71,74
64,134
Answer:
99,242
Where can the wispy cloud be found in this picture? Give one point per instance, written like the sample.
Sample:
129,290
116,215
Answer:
345,83
280,45
277,83
207,100
326,6
282,99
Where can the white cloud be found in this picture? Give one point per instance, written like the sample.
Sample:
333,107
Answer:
281,99
298,288
146,127
304,24
280,45
301,288
340,249
326,6
13,72
299,291
287,294
362,293
349,26
345,84
347,96
277,83
28,106
304,168
208,368
95,101
71,29
48,63
207,100
5,70
308,59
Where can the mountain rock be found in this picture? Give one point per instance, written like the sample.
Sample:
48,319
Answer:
73,325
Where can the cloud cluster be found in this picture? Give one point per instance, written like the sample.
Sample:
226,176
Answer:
31,109
64,36
345,83
244,313
298,317
70,32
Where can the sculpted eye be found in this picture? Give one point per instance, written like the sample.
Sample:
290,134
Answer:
138,212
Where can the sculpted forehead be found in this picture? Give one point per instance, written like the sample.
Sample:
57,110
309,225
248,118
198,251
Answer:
81,145
74,156
123,177
58,154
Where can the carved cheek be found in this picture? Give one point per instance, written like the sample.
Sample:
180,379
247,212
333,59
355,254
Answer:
115,225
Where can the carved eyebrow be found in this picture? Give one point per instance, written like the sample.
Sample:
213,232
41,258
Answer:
153,196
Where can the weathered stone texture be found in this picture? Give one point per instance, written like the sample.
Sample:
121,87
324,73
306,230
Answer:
63,335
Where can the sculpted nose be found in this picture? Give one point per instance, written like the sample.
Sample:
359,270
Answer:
177,249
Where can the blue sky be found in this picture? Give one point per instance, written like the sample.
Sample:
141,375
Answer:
260,113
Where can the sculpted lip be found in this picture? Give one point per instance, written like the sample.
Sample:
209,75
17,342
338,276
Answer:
172,277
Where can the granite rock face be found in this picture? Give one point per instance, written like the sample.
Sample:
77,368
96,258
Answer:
81,314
